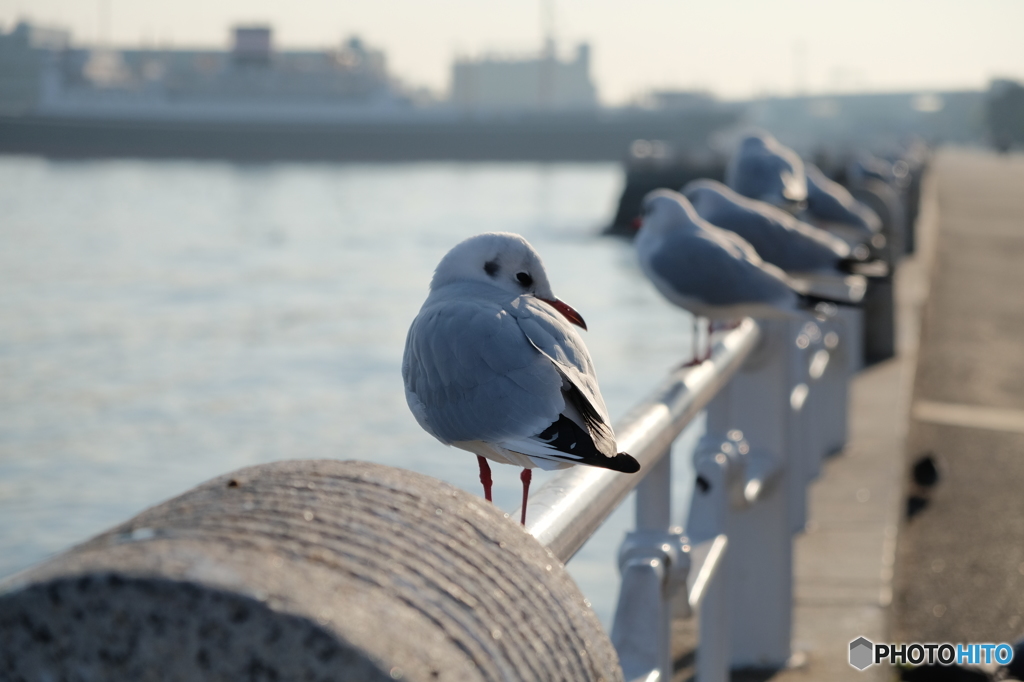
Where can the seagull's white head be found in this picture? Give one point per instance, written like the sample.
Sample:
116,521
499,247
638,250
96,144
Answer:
663,211
764,169
707,196
503,260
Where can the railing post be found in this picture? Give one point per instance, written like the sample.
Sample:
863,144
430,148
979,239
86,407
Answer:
801,438
709,517
654,559
847,348
758,565
654,564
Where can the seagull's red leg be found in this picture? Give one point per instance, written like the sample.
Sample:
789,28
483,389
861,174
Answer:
485,476
694,360
707,352
525,478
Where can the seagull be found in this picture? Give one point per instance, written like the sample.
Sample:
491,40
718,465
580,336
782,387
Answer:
778,237
832,206
764,169
493,365
709,271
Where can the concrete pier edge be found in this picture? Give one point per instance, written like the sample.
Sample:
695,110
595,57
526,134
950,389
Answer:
960,559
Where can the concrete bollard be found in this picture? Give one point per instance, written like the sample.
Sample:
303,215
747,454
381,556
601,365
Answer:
879,303
879,329
881,198
305,570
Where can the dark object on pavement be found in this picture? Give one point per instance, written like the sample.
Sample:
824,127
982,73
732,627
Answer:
926,470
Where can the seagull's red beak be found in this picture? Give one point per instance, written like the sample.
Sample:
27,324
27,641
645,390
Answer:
568,312
636,223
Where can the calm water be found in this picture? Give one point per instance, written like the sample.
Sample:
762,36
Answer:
165,322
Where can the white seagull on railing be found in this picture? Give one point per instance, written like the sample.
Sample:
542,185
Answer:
831,205
778,237
494,366
764,169
712,272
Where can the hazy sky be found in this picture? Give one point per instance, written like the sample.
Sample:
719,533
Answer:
735,48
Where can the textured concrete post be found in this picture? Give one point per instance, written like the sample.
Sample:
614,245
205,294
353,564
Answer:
305,570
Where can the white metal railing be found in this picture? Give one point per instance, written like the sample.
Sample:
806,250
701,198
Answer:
776,400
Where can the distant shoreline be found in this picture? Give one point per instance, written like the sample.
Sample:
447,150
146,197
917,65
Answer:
585,137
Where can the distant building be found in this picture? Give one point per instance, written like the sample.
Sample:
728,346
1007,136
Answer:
1005,114
538,83
40,73
252,46
870,121
679,100
26,53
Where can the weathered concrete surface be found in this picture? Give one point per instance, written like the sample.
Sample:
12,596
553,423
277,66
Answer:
960,567
843,561
305,570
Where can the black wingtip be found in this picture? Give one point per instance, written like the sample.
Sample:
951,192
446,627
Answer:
623,463
875,269
810,302
847,265
574,444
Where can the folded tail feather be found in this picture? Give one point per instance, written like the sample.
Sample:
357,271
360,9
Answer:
566,441
811,301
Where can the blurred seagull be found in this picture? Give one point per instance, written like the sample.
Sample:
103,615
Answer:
493,365
712,272
764,169
778,237
831,206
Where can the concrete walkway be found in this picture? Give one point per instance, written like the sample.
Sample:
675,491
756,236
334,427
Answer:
844,560
960,566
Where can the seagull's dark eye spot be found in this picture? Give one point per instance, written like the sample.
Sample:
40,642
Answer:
491,267
524,278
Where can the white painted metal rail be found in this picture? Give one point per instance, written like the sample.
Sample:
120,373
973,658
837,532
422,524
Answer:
776,399
567,510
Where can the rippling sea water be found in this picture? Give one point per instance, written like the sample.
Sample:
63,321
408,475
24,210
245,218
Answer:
162,323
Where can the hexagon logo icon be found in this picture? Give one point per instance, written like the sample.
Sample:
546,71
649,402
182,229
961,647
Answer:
860,653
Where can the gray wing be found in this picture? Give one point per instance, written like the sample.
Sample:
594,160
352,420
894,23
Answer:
772,173
471,374
558,341
777,237
830,201
698,267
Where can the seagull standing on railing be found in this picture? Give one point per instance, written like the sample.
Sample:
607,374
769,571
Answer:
713,273
831,205
764,169
493,365
777,236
